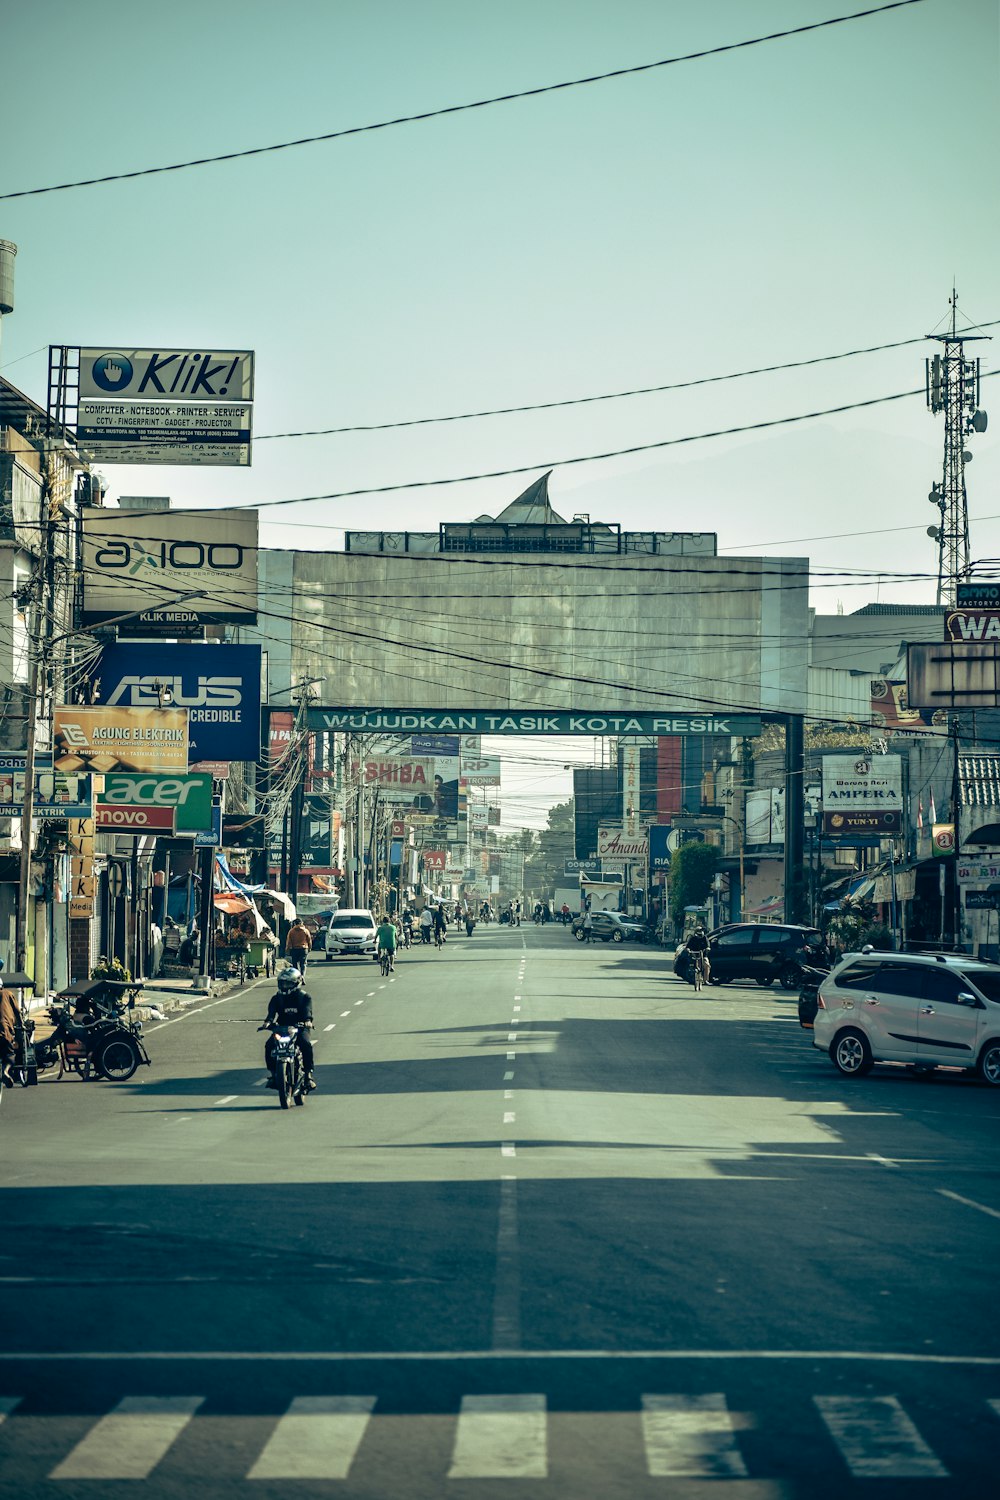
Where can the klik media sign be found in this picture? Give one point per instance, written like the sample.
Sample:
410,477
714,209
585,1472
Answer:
218,686
170,569
862,794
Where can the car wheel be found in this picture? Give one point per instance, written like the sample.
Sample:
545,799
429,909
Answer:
851,1054
618,937
989,1063
789,977
579,934
765,981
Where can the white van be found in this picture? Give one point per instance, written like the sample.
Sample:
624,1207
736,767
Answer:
350,932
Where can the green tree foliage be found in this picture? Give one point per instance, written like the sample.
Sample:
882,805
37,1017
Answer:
546,862
692,869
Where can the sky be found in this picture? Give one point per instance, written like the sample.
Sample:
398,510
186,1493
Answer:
809,196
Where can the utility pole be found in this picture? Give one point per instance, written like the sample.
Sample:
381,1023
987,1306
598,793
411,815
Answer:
953,388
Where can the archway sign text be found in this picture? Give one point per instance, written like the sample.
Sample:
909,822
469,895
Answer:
496,721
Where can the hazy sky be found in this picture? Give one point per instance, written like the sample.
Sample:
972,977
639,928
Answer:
805,197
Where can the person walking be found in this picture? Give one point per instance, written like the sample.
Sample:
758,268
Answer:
588,926
426,922
11,1022
298,945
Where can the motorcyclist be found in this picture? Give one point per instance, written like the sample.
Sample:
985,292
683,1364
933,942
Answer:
290,1004
385,940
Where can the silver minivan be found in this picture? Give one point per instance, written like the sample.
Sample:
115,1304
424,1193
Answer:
926,1011
350,931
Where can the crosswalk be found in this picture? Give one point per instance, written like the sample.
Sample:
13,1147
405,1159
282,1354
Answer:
503,1436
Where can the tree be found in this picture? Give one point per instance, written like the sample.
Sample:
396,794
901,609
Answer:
546,864
692,870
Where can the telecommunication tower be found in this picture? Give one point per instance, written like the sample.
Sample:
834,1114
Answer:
953,387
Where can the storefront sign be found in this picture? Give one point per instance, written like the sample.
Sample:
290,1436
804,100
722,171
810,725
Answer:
427,721
218,685
120,739
138,820
435,859
480,770
80,835
618,844
56,795
189,797
659,854
149,562
862,794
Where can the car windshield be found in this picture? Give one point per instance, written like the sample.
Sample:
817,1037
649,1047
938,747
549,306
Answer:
986,981
351,922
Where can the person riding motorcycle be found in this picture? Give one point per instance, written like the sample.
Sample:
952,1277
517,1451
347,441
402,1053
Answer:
385,940
291,1004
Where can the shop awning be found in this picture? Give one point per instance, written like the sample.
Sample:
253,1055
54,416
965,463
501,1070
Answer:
232,905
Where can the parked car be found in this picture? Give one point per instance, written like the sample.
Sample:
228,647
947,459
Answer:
762,951
611,927
924,1010
350,931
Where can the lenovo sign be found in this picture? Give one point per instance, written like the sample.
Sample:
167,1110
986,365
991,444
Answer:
134,819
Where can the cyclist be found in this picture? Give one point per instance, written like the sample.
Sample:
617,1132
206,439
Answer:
440,926
385,941
697,946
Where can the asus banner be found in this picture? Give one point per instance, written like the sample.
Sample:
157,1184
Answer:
218,685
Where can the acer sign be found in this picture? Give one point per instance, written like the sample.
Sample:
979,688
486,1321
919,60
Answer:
188,798
218,685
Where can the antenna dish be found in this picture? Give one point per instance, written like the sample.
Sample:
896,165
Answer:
934,532
979,420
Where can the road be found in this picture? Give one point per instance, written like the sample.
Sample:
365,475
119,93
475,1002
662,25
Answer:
552,1226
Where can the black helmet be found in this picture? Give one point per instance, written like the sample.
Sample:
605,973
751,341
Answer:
288,980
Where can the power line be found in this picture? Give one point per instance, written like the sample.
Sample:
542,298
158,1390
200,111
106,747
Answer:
454,109
643,390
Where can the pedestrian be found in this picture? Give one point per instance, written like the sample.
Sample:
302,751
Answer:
564,913
11,1024
298,945
426,922
588,926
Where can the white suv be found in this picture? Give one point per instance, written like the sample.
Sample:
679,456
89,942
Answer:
350,931
926,1010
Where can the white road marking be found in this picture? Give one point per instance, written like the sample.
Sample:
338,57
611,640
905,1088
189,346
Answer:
511,1056
7,1405
882,1160
507,1280
130,1441
330,1027
227,1100
367,1356
508,1075
876,1438
508,1118
969,1203
344,1013
690,1436
508,1149
517,997
508,1093
356,1004
316,1439
260,1083
512,1036
370,995
994,1406
500,1437
517,1010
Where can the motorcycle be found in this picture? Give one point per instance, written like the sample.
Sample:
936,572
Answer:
814,966
286,1063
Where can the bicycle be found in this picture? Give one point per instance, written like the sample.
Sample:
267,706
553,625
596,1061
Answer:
385,960
439,937
698,971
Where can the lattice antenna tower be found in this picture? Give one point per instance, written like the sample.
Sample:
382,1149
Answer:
953,387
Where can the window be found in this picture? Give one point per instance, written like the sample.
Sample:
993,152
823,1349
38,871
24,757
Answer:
734,942
858,977
341,922
944,988
900,979
770,939
986,983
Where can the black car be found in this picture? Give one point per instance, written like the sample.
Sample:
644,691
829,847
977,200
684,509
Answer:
762,951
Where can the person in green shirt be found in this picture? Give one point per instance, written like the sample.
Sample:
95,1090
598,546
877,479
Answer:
385,940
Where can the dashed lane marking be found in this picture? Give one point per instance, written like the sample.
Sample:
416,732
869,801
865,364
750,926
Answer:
227,1100
330,1027
509,1117
969,1203
690,1437
508,1075
508,1149
876,1438
511,1056
500,1437
344,1013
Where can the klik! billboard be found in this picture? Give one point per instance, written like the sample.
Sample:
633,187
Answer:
218,685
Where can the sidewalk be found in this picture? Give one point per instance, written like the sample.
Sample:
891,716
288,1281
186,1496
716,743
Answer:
158,998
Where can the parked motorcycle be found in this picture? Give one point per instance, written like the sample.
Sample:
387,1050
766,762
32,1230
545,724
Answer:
814,966
286,1063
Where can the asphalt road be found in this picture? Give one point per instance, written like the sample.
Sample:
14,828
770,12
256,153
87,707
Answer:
551,1226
